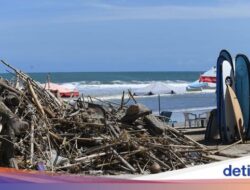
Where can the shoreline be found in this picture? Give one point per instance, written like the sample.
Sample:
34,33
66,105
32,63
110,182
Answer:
118,97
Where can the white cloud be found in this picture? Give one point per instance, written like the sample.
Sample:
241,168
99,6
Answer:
107,12
90,11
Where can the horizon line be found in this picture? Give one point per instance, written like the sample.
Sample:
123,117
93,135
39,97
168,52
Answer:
48,72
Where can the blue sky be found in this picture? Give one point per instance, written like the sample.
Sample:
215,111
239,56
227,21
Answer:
121,35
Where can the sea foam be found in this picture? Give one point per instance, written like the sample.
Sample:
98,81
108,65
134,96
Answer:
141,88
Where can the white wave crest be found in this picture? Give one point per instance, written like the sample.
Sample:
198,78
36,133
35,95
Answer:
141,88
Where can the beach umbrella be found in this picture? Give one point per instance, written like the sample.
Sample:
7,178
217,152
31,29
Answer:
154,88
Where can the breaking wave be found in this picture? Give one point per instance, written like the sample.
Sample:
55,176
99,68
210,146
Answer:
140,88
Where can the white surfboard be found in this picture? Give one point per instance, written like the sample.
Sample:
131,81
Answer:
237,113
230,122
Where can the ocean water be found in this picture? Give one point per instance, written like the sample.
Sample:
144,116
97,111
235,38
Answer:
114,83
110,85
113,77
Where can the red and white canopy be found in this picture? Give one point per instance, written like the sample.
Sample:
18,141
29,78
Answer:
209,76
64,92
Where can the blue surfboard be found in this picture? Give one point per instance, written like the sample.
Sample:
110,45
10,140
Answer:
223,117
226,55
242,72
220,117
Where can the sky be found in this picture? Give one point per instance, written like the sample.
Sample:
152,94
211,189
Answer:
121,35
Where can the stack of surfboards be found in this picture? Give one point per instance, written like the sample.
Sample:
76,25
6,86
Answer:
233,92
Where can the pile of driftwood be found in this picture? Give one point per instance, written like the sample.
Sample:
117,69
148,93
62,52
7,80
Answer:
41,132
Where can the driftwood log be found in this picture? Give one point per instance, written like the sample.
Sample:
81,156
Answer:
154,125
134,112
12,126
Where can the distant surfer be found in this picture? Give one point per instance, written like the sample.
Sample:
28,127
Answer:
150,93
172,92
134,94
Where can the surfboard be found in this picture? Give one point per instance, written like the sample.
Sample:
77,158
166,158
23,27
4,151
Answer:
228,80
237,113
242,90
226,55
225,74
212,131
220,115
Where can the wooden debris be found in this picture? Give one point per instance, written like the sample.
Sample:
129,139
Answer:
87,137
155,126
134,112
35,99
